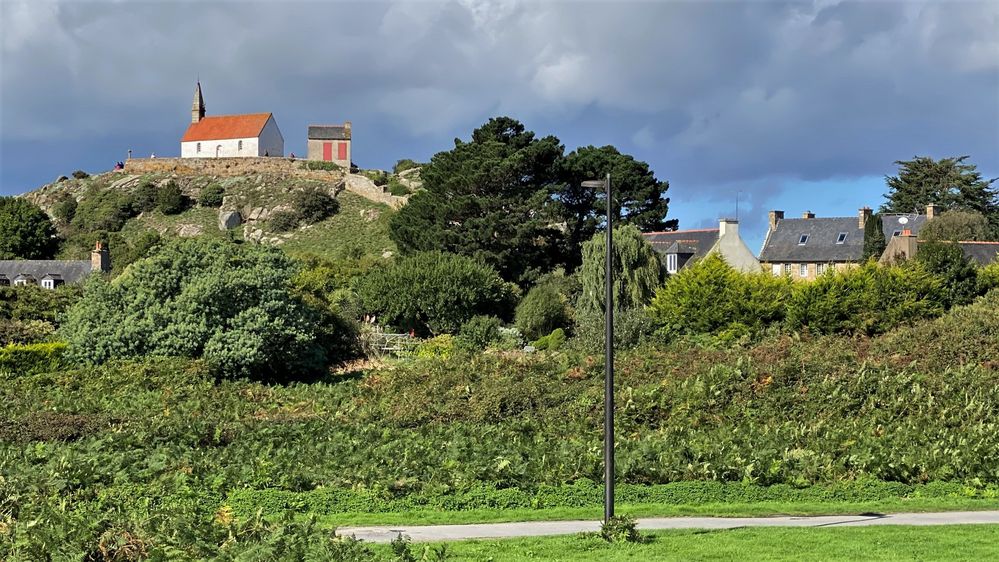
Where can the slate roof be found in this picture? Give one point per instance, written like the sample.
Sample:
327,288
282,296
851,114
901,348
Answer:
218,127
913,222
329,132
983,253
694,242
781,244
71,271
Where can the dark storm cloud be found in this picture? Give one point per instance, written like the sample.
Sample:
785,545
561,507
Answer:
713,95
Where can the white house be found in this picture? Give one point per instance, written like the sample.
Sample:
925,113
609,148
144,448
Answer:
226,136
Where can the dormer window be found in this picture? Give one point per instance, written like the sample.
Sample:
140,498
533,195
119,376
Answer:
802,239
841,238
671,262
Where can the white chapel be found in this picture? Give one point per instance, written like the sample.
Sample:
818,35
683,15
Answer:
227,136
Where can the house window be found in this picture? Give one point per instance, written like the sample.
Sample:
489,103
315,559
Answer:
841,238
787,268
48,283
896,233
820,268
239,146
803,270
775,268
671,263
802,239
198,148
20,282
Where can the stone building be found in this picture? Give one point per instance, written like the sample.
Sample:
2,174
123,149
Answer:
330,143
808,247
683,247
228,136
50,274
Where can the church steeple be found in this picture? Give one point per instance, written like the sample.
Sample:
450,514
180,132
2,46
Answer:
198,107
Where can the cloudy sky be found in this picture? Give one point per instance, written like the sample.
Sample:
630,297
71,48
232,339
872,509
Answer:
796,105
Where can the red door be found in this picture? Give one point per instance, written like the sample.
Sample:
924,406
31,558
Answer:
327,151
341,151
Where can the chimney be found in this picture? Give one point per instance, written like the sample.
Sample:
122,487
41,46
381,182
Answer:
808,215
932,210
346,129
775,217
864,215
728,227
100,258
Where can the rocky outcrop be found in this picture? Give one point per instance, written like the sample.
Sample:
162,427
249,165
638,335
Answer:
363,186
229,219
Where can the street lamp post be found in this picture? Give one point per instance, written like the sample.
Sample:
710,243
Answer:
608,353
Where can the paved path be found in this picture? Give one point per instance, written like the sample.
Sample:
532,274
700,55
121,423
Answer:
541,528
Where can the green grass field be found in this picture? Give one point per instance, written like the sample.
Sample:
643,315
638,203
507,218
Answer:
950,543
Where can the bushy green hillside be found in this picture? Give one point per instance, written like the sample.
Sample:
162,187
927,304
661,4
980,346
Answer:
122,209
161,456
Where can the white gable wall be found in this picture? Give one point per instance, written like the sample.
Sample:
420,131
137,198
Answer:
733,249
271,142
224,148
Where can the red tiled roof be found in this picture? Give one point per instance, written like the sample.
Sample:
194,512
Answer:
219,127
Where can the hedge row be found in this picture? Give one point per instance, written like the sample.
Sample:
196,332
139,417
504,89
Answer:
585,493
32,358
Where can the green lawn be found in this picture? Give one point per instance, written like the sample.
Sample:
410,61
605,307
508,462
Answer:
951,543
758,509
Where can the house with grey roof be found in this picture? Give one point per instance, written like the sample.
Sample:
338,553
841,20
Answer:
330,143
50,274
906,246
807,247
684,247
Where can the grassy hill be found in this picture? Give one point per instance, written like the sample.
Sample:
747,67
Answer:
110,206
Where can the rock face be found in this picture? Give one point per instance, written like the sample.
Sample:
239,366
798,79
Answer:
229,219
189,230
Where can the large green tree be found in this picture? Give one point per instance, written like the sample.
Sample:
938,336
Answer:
639,197
25,231
489,199
230,304
951,183
955,226
637,269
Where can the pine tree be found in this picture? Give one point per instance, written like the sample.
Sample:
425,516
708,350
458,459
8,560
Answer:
950,183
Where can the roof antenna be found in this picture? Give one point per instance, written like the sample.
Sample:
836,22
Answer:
737,194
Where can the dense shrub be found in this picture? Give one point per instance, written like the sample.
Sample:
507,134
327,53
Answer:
404,164
31,358
170,200
65,209
869,299
80,175
479,332
25,231
314,205
632,327
710,297
25,331
543,309
438,347
397,188
227,303
145,197
434,292
103,210
957,273
283,221
552,342
31,302
211,196
321,165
